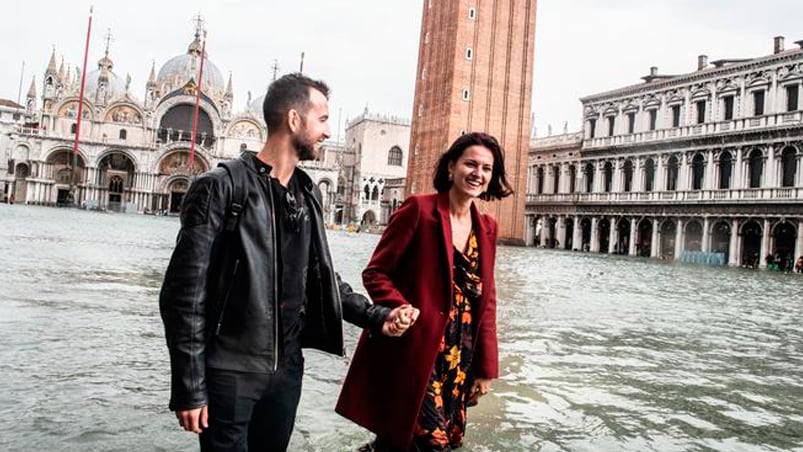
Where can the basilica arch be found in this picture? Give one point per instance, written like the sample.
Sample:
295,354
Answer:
65,170
174,177
115,177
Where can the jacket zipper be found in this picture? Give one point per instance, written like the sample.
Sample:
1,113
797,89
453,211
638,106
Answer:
275,276
226,298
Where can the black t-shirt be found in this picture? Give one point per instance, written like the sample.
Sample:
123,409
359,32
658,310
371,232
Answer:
294,232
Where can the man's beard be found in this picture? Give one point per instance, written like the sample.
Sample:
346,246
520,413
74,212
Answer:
305,148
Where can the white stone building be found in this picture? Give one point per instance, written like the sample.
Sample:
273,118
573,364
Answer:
133,155
703,167
380,145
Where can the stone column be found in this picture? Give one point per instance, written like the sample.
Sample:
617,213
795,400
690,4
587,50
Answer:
577,234
705,246
561,232
638,175
739,170
656,239
633,237
765,244
660,177
799,242
709,182
770,170
613,236
594,245
528,230
683,173
544,231
733,248
679,238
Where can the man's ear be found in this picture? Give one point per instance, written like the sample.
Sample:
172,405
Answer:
293,120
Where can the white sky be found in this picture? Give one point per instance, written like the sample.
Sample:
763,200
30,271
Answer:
367,50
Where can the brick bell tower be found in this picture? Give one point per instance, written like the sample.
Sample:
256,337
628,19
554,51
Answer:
475,72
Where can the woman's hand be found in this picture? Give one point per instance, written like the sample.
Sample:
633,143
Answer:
399,319
480,387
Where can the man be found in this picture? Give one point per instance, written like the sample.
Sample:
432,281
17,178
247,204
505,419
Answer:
251,282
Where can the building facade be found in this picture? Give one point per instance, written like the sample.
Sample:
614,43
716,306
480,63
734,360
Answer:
133,154
380,146
475,67
701,167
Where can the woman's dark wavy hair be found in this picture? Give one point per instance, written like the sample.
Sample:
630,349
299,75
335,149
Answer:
498,187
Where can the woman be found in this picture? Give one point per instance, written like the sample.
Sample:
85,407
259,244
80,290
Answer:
436,254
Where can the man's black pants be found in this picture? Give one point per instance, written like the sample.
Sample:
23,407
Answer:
253,411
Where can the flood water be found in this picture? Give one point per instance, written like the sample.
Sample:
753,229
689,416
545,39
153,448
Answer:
597,352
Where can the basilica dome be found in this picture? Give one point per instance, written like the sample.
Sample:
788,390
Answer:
177,71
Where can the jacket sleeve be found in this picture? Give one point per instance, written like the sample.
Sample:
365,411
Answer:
486,361
181,301
395,240
358,311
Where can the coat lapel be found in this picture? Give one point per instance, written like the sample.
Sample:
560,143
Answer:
484,242
442,207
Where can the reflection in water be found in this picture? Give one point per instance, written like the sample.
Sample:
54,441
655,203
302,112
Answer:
597,352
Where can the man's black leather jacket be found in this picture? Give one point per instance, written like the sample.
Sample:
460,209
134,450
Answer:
219,299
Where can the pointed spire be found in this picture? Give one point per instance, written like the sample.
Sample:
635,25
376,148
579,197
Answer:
61,69
32,89
196,46
51,66
106,63
152,77
229,90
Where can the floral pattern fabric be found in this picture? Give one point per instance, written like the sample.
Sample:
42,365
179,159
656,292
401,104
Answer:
442,421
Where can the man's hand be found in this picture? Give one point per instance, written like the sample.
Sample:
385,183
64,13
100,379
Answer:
399,320
480,387
193,420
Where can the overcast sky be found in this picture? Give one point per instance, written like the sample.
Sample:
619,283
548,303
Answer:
367,50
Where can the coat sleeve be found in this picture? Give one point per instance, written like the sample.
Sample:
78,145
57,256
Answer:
183,293
486,362
397,237
358,311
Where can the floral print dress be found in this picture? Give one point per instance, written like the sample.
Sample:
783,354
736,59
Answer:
442,421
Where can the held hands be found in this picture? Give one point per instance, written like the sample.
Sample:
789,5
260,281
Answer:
193,420
399,320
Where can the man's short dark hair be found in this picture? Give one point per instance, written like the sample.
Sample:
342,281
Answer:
289,92
498,187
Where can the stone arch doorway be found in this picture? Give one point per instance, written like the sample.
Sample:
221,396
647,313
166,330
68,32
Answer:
751,244
720,238
569,225
784,236
622,245
59,166
115,187
19,190
694,236
585,227
552,237
176,190
116,173
604,235
368,219
667,249
644,243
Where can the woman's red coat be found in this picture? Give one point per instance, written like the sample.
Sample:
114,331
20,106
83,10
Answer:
412,263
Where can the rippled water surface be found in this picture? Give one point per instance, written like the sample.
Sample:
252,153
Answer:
597,352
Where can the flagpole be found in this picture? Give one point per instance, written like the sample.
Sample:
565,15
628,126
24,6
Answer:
80,104
197,105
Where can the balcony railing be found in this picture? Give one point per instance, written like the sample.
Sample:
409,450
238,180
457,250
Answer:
784,194
709,128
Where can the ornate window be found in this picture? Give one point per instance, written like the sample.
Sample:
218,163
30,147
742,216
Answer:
725,170
123,134
395,156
